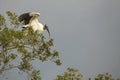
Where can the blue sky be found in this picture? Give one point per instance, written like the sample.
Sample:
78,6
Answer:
85,32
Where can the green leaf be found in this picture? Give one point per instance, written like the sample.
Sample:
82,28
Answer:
2,20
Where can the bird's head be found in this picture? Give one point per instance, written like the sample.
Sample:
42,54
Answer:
34,14
46,28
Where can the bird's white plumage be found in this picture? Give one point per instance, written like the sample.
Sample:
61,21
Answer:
31,19
34,13
36,25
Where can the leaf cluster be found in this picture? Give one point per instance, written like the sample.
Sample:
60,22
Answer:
70,74
73,74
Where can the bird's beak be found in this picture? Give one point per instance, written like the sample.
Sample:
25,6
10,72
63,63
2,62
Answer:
46,28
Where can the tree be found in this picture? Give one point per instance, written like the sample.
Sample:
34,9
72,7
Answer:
105,76
70,74
73,74
16,46
18,50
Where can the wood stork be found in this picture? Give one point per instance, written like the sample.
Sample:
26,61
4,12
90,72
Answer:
31,19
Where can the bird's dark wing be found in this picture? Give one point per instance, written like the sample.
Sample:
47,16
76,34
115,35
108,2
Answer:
46,28
25,18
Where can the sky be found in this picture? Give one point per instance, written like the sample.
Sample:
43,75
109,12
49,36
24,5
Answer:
86,33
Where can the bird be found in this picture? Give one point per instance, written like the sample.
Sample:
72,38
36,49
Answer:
31,19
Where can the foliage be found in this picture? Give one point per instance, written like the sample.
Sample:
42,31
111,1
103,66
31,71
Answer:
17,46
2,20
73,74
70,74
105,76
